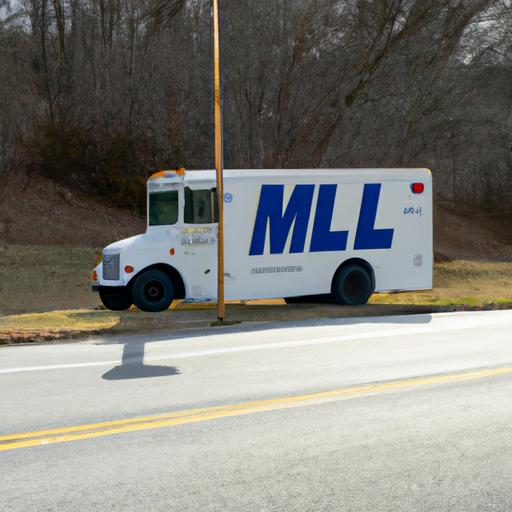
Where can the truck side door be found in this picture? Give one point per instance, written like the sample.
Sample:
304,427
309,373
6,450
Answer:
199,242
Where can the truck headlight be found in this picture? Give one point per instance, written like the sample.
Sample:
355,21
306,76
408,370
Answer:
111,267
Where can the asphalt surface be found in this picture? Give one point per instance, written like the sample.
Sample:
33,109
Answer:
377,414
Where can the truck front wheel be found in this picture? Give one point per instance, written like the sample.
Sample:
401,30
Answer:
115,299
352,286
153,291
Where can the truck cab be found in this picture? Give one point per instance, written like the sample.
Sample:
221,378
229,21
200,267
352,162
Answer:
148,270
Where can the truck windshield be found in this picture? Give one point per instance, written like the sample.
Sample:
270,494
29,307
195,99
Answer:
163,208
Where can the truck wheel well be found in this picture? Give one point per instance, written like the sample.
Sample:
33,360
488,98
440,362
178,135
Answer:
355,261
174,275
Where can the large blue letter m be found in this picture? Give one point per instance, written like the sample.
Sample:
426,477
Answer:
270,213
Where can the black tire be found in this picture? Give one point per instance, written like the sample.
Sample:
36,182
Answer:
116,299
353,285
153,291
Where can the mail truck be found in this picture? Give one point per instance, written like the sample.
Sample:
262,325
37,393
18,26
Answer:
340,233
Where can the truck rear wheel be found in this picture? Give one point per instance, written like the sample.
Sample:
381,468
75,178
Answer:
116,299
153,291
353,285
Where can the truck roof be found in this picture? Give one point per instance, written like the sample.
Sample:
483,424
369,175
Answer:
196,177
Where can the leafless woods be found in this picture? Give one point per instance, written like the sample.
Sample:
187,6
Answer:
99,92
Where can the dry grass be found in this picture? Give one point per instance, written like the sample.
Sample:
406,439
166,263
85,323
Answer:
42,278
81,319
55,324
469,283
35,279
46,278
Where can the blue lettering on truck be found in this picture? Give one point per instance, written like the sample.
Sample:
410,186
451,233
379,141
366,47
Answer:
367,237
322,238
297,213
270,210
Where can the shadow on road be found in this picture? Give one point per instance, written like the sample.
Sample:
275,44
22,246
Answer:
419,317
133,367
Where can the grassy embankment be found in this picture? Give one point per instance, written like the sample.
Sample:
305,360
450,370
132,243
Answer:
55,279
461,283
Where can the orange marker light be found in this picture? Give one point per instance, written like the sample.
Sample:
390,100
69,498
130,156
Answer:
172,252
94,276
128,269
168,174
156,175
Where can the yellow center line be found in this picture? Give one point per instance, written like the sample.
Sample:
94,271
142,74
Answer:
105,424
107,428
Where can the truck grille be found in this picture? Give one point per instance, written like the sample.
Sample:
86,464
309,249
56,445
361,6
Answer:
111,267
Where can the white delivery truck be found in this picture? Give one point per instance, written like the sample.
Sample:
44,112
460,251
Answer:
288,233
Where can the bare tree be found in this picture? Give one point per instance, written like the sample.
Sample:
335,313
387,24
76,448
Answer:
98,92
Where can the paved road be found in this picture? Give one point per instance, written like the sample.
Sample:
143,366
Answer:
384,414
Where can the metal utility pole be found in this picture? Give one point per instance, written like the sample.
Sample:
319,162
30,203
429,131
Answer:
221,310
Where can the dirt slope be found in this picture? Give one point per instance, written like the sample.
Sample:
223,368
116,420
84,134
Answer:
470,234
36,211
